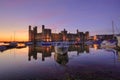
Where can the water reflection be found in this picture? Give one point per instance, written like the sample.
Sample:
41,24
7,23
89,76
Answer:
95,46
46,51
61,59
81,62
79,48
118,56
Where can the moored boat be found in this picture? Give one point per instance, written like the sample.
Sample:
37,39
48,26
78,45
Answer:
46,43
13,44
2,48
61,47
118,40
29,43
108,44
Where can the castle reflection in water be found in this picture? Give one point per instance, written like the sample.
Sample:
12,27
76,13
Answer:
46,51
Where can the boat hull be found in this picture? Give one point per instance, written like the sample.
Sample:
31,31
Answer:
107,44
118,38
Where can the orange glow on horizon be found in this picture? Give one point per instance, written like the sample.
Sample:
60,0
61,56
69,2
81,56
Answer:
17,37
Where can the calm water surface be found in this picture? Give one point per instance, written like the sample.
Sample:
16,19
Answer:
42,63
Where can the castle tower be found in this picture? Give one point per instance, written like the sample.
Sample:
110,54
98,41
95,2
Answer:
34,34
64,35
86,35
30,33
35,30
29,27
43,27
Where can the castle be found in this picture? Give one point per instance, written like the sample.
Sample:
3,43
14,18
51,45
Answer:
47,36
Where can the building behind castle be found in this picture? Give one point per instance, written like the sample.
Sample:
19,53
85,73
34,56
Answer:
47,35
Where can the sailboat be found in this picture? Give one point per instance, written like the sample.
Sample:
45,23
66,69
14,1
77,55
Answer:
107,44
117,36
118,40
13,43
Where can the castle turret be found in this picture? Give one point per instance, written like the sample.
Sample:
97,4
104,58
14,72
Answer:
43,27
29,27
35,30
34,34
86,35
30,33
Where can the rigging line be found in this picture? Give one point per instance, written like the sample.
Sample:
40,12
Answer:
113,28
118,30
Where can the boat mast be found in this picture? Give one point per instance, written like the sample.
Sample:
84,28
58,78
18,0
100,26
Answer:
113,29
14,36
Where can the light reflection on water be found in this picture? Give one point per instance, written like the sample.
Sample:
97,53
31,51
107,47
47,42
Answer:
41,62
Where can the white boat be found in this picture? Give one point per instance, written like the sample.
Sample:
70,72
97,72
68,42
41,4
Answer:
29,43
107,44
118,39
61,47
117,36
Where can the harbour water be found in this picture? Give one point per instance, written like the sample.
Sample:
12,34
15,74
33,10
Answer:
42,63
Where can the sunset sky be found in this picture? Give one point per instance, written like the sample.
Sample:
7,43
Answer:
94,16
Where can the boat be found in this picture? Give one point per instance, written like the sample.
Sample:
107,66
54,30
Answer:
28,43
61,47
46,43
114,43
108,44
118,40
117,36
2,48
13,44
